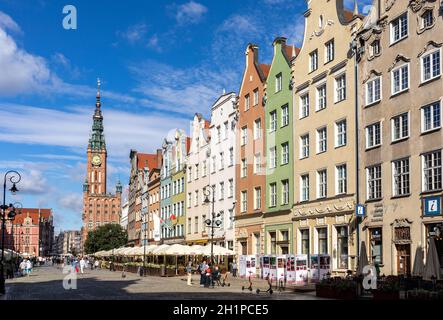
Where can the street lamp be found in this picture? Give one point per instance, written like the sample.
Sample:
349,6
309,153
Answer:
214,222
14,177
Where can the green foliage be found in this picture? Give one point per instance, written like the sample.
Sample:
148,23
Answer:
106,237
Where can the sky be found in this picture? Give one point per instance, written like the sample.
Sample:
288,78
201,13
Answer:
159,63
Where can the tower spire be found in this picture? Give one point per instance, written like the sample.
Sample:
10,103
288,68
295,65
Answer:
97,140
98,103
355,8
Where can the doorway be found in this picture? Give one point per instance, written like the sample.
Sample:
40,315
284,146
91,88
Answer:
403,259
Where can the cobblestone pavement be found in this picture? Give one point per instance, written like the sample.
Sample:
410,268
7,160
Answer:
46,283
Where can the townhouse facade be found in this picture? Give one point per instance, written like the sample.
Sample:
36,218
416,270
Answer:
278,232
222,167
324,136
166,190
401,146
153,223
250,194
197,181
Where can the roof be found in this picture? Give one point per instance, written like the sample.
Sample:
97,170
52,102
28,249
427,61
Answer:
349,15
188,144
146,160
33,213
265,69
207,124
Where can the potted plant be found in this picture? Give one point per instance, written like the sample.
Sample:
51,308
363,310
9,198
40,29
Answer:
387,289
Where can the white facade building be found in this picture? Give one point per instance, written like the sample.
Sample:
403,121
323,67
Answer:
124,216
222,167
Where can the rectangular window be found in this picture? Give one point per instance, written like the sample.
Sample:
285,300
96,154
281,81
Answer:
432,170
247,102
219,133
373,91
272,194
213,164
244,168
226,130
313,56
400,127
304,235
205,168
341,179
222,160
231,218
189,225
285,192
196,198
373,135
273,121
431,117
304,105
196,172
257,163
231,188
400,79
231,156
322,240
257,198
431,66
340,88
222,190
272,157
256,97
399,28
244,201
342,246
329,49
304,146
427,19
278,82
375,48
340,128
321,97
374,182
284,115
273,242
196,225
244,135
322,182
322,140
400,177
285,153
376,241
257,129
304,188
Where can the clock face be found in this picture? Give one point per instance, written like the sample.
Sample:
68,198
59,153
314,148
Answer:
96,160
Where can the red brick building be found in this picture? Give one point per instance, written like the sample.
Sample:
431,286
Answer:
31,231
99,207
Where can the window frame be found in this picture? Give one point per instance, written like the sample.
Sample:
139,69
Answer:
373,80
422,117
400,69
376,192
391,28
401,127
395,187
430,54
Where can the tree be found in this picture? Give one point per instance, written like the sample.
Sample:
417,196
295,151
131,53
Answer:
106,237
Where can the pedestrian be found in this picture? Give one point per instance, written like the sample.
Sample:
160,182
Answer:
202,269
189,272
23,268
28,267
208,279
234,269
96,264
82,265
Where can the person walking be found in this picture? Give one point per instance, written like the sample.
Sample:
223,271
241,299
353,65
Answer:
23,268
234,269
202,269
28,267
82,265
96,264
189,272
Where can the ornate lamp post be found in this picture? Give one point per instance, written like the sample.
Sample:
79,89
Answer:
14,177
214,222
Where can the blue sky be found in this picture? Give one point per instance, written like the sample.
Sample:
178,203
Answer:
159,62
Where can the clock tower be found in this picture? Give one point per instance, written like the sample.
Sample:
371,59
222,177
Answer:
96,172
99,206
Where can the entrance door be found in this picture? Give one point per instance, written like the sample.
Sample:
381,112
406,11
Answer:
403,259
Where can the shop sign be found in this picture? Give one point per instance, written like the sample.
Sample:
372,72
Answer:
360,210
432,206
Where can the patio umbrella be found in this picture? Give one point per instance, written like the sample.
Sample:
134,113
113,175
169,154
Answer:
419,265
432,266
362,259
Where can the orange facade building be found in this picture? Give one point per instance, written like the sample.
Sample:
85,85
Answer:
251,158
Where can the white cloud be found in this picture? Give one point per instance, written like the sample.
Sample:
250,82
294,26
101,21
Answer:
134,33
190,13
7,23
72,202
123,130
33,183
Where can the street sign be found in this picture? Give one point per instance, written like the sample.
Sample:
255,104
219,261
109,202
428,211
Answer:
432,206
360,210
